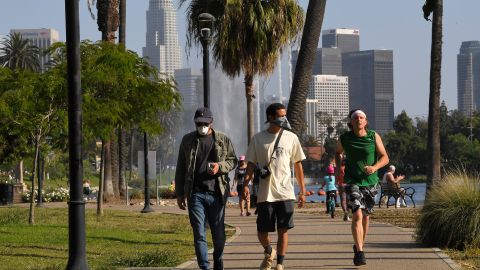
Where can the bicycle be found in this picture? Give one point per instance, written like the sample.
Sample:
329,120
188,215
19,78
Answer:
331,203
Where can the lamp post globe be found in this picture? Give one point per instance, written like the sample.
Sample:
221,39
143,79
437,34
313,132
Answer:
205,26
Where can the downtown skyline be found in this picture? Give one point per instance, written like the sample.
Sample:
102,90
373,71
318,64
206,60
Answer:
403,31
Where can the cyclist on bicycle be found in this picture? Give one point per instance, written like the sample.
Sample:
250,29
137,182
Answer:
329,185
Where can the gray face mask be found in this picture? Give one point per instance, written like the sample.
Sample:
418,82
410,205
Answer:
281,122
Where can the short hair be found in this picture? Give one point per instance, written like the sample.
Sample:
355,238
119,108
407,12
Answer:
273,108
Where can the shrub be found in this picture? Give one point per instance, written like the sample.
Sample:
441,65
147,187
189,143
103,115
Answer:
59,194
166,193
147,259
451,214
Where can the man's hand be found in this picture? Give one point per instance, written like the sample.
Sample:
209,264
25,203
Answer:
181,203
369,170
246,192
301,200
214,170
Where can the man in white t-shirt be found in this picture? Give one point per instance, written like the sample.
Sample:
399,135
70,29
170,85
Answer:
276,196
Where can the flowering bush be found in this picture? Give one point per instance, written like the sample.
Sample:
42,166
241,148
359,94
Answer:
55,195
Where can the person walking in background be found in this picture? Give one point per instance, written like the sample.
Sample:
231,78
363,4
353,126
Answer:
393,181
328,185
364,155
341,189
205,158
275,149
240,174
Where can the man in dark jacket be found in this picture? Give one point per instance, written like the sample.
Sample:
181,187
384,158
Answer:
204,159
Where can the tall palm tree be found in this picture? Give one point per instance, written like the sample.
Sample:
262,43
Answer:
17,53
248,37
433,143
303,69
122,149
108,22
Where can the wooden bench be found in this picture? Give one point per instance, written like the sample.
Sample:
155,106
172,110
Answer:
393,192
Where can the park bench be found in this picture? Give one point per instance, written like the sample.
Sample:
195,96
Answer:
390,191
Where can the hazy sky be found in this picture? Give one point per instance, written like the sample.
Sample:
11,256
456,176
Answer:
383,24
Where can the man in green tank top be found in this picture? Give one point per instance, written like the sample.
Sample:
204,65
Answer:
365,155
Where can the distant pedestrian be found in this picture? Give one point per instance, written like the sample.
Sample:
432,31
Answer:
365,155
328,185
240,173
275,149
205,158
86,187
341,189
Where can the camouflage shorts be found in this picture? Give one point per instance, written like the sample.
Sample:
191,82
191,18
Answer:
361,197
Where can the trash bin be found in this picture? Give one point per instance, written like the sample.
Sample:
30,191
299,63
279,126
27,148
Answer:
6,194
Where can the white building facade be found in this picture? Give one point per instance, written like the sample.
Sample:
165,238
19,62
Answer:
328,96
42,38
162,46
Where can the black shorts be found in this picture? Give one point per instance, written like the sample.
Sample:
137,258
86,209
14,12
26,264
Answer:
271,213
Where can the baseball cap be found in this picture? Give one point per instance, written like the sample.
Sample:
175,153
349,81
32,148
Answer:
203,115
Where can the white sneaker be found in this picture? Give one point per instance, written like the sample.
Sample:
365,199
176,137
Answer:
268,260
346,217
279,267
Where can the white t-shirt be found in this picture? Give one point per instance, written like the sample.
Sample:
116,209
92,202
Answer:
384,179
278,186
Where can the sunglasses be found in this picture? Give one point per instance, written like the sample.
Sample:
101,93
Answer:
200,124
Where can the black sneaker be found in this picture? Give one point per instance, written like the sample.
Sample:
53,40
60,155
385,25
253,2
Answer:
359,258
218,265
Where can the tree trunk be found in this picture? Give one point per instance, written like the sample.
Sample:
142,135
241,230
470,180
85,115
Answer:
101,182
108,194
19,171
433,144
249,94
130,164
122,156
123,22
31,214
115,163
107,18
303,69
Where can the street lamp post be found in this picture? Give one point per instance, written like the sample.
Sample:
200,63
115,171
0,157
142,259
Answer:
205,25
77,258
146,207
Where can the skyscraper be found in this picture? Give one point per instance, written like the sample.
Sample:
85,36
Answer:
42,38
332,103
370,76
468,77
328,61
189,84
347,40
162,46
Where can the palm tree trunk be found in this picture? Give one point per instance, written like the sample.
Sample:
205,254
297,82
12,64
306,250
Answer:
19,171
122,155
101,182
123,22
31,214
303,69
107,18
249,95
433,144
115,167
108,186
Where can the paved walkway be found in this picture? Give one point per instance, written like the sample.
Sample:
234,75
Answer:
319,242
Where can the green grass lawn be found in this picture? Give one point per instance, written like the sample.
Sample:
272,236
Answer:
118,239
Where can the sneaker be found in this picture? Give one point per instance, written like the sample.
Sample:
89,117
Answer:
268,260
242,214
249,214
218,265
359,258
346,217
279,267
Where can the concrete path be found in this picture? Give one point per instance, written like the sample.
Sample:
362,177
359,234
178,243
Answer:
319,242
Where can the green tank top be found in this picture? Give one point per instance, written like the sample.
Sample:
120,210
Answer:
359,152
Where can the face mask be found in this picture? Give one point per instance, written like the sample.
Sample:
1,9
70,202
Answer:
203,130
281,122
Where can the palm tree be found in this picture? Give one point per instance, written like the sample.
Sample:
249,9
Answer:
248,37
17,53
433,143
108,22
303,70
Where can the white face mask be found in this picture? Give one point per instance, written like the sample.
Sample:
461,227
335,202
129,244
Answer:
203,130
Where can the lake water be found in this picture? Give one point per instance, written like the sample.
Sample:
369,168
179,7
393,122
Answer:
419,196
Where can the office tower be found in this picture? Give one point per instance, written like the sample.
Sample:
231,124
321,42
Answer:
328,61
332,103
370,77
347,40
468,77
311,118
42,38
190,85
162,46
